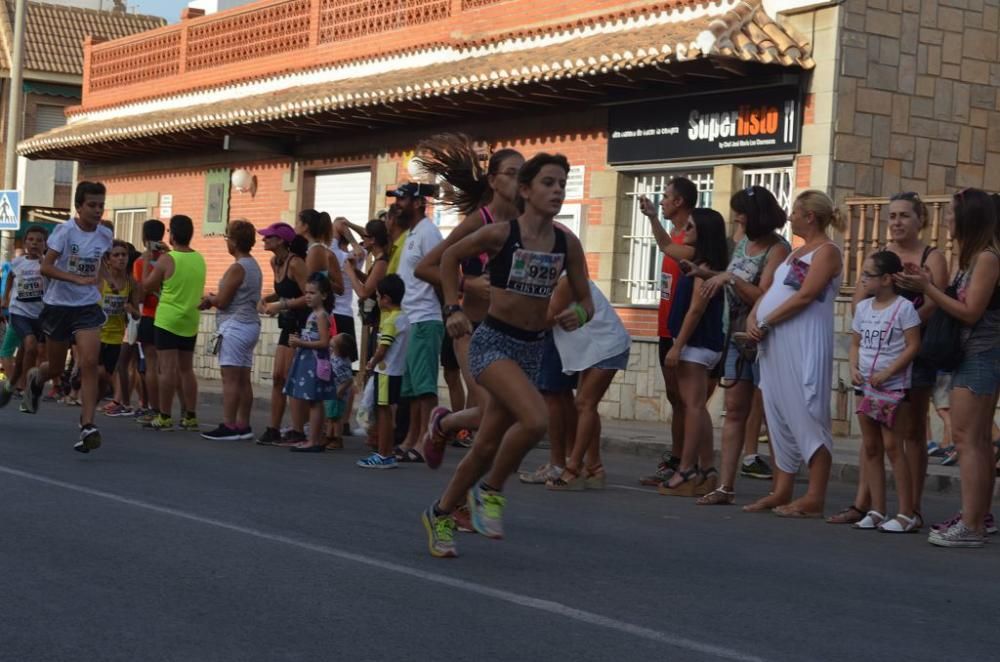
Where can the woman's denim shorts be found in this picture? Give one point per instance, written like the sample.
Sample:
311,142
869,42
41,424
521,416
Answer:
979,372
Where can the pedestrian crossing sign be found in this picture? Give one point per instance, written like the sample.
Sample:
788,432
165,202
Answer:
10,210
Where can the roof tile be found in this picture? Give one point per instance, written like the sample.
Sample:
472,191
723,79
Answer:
54,34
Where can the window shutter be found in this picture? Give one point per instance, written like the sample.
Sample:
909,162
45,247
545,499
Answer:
216,202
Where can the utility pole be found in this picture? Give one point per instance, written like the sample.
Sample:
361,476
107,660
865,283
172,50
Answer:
14,116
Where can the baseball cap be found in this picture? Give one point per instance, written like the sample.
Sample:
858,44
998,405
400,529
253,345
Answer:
283,231
413,190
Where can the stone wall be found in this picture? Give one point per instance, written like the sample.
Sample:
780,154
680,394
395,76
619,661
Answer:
918,97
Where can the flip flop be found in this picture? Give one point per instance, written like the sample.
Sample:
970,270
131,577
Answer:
796,514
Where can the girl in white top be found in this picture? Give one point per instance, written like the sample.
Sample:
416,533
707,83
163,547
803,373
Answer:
885,341
597,350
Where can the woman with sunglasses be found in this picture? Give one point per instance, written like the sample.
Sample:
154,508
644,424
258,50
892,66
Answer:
749,274
907,219
972,220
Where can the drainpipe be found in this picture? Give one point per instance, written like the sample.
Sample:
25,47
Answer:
14,117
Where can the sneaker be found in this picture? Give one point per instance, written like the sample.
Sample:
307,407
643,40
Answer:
462,519
222,433
436,439
146,418
463,439
934,449
117,410
246,434
440,534
34,391
989,524
90,439
52,395
22,408
958,535
947,524
270,437
486,512
6,393
541,475
664,470
376,461
757,468
162,423
950,459
190,424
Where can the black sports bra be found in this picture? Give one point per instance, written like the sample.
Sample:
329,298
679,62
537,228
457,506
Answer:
524,271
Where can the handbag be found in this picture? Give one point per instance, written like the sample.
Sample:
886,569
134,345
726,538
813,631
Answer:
941,347
881,405
324,371
797,272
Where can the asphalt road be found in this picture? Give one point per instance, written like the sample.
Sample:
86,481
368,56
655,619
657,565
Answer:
164,546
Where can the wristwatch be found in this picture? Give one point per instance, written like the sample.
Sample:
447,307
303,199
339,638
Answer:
451,310
764,326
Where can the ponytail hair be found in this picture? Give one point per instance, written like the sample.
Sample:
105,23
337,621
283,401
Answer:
821,207
453,158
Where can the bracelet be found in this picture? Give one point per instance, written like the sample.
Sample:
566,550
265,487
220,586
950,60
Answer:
581,313
451,310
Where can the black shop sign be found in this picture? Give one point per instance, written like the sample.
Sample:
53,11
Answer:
743,123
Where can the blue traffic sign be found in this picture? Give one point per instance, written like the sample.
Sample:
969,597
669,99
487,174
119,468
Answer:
10,210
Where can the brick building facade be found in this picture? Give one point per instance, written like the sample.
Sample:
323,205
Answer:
310,95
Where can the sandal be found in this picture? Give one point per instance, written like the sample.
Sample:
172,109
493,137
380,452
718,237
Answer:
899,524
720,496
850,515
596,478
685,488
334,443
709,481
871,521
575,482
411,455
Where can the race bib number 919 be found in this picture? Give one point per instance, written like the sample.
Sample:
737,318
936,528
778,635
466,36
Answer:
534,274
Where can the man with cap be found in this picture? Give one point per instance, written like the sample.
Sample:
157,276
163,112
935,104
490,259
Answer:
422,307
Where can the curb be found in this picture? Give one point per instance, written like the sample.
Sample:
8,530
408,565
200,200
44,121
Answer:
940,480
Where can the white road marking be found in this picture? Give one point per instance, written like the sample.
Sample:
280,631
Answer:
549,606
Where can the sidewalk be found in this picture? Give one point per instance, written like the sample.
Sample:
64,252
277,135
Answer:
651,440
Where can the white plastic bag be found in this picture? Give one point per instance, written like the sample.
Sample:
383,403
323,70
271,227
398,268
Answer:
365,415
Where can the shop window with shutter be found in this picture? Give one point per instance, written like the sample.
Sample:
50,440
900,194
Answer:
216,202
47,118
